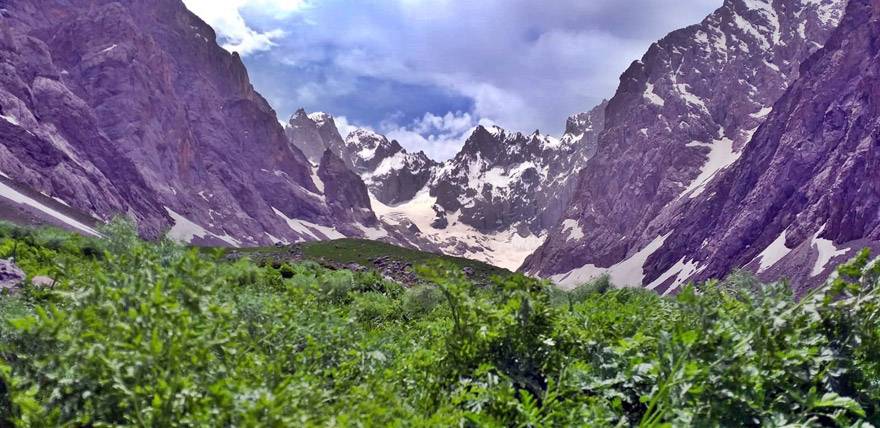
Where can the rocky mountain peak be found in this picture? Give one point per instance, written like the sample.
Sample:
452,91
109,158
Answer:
368,149
681,114
803,196
303,133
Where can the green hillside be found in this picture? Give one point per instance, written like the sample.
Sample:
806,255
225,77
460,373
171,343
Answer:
343,252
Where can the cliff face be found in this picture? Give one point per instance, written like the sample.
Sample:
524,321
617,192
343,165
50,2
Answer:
682,114
805,194
131,107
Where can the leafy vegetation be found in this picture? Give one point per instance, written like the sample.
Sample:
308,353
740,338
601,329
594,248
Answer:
141,334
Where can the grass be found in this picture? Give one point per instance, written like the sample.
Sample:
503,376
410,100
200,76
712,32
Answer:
363,252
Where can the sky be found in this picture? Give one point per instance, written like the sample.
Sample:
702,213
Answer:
426,72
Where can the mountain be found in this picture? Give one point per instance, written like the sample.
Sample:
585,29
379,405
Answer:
501,181
392,174
303,133
682,114
494,201
805,195
131,107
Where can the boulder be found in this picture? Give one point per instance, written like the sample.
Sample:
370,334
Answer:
11,276
42,282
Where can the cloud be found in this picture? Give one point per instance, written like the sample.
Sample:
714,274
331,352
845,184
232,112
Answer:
523,64
344,126
225,16
440,137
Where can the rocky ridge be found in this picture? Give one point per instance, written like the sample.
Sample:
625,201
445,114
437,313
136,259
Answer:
805,195
682,113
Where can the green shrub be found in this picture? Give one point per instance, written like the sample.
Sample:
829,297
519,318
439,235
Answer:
421,300
371,281
374,308
335,286
580,293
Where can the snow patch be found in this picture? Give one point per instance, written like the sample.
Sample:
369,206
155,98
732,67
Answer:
185,230
548,142
764,112
681,270
653,97
628,273
319,117
495,130
765,9
750,29
685,93
573,229
373,233
10,119
506,249
274,239
829,12
20,198
317,179
307,228
775,252
393,163
721,155
827,251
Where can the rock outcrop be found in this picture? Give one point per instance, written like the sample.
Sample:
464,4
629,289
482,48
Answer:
11,277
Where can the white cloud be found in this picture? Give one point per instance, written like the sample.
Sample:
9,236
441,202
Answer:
440,137
235,35
344,126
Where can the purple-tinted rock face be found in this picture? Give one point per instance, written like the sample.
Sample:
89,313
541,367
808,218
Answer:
11,277
303,133
346,194
681,114
130,107
805,194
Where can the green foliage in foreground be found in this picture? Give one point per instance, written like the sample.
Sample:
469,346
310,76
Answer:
153,335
